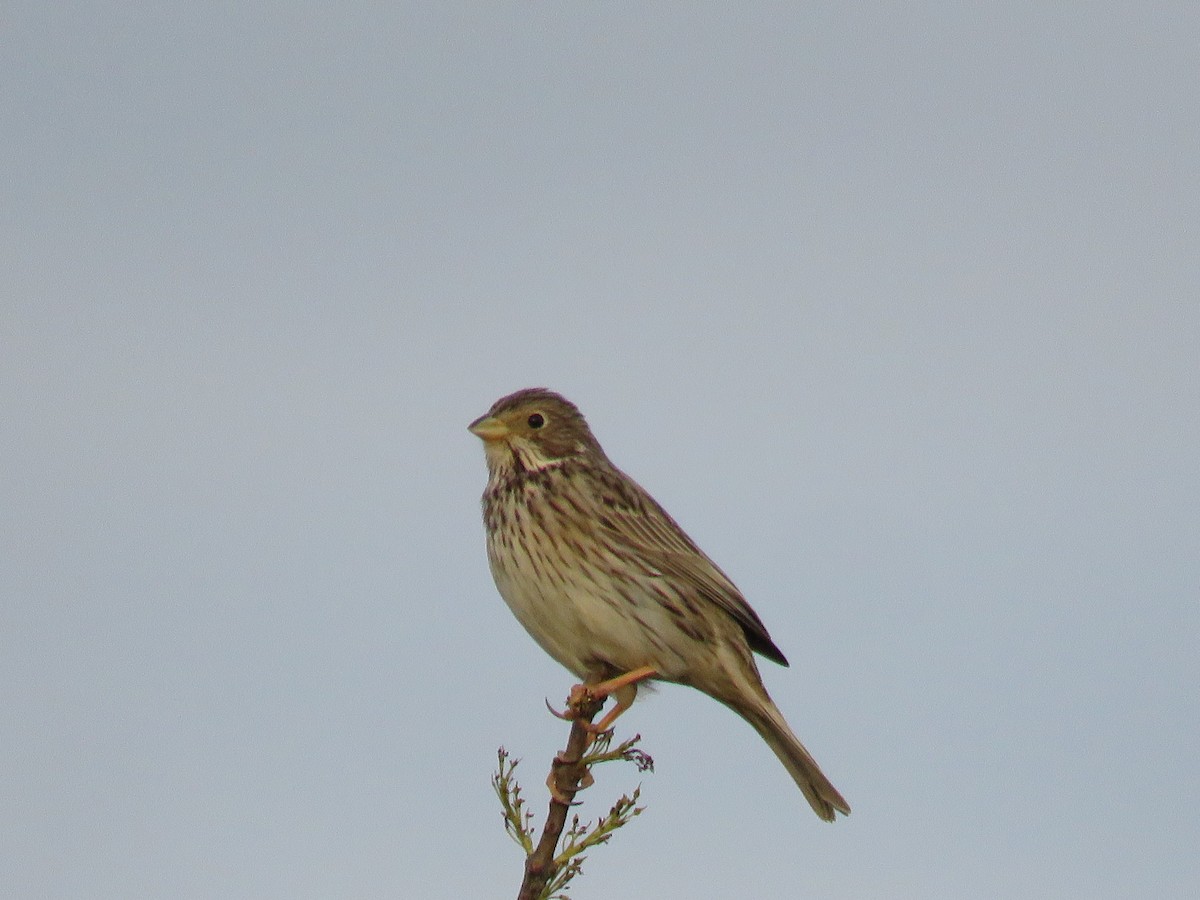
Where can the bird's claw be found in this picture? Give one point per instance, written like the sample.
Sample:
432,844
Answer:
581,696
556,793
565,716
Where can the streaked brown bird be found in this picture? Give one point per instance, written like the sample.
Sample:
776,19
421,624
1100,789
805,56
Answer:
609,585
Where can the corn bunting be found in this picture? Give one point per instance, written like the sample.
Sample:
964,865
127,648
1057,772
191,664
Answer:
609,585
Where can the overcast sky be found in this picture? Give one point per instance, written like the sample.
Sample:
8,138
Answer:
894,307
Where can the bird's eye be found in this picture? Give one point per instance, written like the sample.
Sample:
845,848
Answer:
536,420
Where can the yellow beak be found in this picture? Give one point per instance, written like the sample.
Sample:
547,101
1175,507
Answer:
488,428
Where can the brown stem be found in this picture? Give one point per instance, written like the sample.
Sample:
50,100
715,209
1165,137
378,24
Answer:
566,773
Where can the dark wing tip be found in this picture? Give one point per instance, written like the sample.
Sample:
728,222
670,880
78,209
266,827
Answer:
765,647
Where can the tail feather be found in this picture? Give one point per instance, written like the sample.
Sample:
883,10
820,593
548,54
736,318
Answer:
820,793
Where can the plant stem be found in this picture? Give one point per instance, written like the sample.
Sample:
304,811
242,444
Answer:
566,774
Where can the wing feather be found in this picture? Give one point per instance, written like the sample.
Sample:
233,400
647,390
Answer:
631,517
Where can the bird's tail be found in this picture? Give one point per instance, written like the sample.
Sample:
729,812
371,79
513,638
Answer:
768,721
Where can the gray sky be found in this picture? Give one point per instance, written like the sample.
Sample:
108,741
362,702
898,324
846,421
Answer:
894,307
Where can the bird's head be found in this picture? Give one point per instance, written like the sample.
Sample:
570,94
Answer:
533,429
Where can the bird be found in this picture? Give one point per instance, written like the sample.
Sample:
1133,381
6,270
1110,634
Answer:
608,584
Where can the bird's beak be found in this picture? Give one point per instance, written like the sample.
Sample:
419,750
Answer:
489,428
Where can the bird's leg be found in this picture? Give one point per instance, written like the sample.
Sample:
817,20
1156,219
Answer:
589,691
612,685
584,702
624,697
623,689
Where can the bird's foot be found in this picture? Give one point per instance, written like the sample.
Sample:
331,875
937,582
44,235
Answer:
581,702
557,794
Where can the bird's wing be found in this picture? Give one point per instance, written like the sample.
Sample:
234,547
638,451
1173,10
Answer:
630,516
